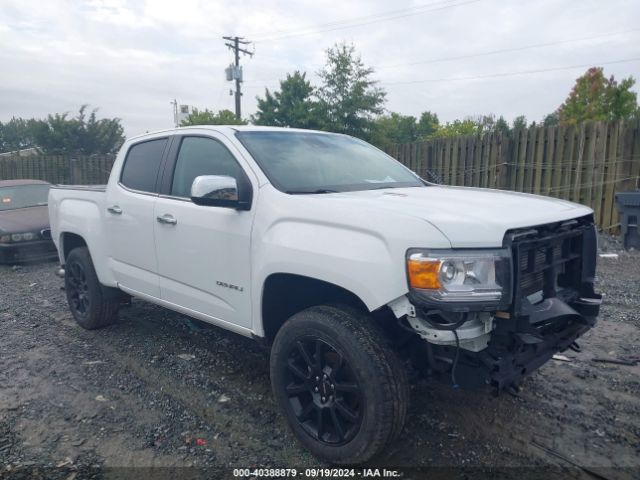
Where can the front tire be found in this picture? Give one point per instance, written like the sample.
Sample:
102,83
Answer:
92,305
343,390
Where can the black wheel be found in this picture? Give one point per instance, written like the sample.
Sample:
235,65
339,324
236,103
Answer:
343,390
92,305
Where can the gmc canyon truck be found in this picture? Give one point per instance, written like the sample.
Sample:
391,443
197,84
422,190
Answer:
357,273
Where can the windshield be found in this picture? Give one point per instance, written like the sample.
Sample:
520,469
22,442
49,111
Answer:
301,162
22,196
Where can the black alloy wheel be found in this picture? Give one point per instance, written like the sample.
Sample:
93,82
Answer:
340,385
92,304
78,289
323,391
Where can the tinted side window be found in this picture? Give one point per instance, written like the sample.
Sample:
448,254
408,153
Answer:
142,164
201,156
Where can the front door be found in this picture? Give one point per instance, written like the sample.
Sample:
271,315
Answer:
203,251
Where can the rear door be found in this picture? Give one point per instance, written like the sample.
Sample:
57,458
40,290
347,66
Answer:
204,254
130,217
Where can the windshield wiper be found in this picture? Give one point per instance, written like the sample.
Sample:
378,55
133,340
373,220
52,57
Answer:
381,187
307,192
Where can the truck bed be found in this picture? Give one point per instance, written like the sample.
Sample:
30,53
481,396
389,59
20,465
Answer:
76,209
91,188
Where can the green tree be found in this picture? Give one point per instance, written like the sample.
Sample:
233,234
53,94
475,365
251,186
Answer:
292,106
595,97
477,125
519,122
551,119
502,126
85,135
456,128
394,128
485,123
349,98
428,124
16,134
397,128
207,117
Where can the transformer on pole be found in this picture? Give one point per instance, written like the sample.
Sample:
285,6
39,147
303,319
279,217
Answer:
234,71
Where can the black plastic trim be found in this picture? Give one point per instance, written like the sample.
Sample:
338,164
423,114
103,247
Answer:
545,237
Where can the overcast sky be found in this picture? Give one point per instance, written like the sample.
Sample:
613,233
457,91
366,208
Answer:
131,58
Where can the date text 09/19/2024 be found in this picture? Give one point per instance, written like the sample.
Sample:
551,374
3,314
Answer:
316,473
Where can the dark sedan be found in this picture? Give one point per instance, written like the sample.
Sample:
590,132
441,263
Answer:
24,222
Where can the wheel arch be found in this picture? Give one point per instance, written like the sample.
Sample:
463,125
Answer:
284,294
69,241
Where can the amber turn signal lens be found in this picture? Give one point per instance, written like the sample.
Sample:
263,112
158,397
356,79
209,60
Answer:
423,272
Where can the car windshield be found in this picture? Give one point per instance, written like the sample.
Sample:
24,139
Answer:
308,162
21,196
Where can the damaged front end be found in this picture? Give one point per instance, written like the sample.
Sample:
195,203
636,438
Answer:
549,302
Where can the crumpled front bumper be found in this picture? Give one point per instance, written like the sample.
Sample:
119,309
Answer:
558,261
551,304
518,344
521,345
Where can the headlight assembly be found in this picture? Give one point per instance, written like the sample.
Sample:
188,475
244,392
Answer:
459,277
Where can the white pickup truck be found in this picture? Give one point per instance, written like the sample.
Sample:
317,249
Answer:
353,269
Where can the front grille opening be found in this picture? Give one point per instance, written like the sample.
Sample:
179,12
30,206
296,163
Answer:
547,259
571,272
561,256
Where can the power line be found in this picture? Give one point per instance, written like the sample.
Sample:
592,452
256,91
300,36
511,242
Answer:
506,50
341,27
266,83
487,53
349,20
510,74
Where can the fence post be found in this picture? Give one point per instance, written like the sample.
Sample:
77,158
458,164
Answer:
502,169
72,173
609,180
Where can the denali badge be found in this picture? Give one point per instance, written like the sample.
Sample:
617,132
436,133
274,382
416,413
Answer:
228,285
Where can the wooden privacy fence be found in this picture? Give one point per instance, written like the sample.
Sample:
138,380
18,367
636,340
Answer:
587,163
83,170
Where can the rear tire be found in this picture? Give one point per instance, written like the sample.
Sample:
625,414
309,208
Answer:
343,390
92,304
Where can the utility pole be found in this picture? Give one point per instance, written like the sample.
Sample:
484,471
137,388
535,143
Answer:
175,112
235,71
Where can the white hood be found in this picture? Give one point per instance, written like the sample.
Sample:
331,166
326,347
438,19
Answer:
468,217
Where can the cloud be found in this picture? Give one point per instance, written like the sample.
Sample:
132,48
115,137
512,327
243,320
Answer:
131,58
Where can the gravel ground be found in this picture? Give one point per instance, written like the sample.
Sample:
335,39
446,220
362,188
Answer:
159,390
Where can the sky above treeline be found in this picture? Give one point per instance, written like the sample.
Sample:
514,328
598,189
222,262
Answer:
456,58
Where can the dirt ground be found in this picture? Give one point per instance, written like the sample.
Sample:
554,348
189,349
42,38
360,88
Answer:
159,390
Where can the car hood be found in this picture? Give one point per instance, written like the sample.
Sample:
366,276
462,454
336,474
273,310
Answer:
30,219
468,217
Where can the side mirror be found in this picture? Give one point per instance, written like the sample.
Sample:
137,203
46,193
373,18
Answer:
217,191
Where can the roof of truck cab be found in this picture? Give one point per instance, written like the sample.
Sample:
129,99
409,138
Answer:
225,128
256,128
